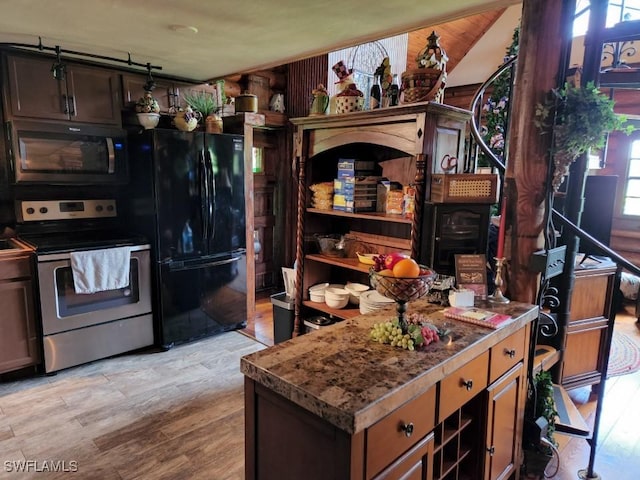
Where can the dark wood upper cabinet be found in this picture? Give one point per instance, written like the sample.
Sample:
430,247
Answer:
169,93
133,88
86,93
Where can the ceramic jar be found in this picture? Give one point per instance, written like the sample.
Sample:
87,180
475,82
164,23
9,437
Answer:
186,120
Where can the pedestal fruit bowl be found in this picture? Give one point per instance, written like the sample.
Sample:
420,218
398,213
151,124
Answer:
402,289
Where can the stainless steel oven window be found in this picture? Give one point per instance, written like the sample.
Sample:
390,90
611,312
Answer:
70,303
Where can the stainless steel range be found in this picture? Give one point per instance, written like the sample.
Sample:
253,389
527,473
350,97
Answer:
82,327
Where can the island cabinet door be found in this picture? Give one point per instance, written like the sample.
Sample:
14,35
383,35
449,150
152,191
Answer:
416,464
505,408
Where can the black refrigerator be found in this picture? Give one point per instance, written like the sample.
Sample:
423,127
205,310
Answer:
186,194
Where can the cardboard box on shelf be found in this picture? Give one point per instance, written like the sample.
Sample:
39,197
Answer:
409,201
382,190
351,167
395,200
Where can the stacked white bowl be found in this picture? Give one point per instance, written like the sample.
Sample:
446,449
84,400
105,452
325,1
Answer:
316,292
336,297
355,290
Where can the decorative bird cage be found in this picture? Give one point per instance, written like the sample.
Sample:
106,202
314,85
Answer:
364,60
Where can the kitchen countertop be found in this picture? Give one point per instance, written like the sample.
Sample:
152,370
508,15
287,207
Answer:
340,375
12,246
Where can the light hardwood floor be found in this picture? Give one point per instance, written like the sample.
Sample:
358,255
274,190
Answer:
179,415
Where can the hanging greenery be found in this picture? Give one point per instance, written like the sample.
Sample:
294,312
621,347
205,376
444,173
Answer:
495,111
580,119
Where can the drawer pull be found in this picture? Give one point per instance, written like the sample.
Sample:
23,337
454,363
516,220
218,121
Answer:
407,428
511,353
468,384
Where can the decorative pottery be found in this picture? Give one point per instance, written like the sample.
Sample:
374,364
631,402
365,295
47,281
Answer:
186,120
246,103
148,120
213,124
320,101
349,103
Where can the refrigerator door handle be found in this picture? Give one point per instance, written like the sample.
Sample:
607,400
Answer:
204,196
211,196
179,266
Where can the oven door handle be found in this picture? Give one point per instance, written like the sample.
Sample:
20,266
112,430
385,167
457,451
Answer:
180,266
204,197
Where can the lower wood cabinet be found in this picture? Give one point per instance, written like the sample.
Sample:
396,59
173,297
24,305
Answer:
583,357
504,424
19,345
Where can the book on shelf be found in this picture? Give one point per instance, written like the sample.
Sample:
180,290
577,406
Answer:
478,316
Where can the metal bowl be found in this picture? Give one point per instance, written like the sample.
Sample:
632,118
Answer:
402,289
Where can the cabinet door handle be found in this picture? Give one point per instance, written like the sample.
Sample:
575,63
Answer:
407,428
468,384
491,450
72,105
510,353
64,101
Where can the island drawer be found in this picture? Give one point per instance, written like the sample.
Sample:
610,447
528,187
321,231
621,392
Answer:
462,385
387,439
506,354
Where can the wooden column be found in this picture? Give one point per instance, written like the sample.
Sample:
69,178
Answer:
541,54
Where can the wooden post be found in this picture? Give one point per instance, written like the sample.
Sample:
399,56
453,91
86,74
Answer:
540,58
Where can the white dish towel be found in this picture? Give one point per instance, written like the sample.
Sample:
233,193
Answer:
100,270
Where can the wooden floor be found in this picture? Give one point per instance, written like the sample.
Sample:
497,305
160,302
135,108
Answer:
618,449
179,415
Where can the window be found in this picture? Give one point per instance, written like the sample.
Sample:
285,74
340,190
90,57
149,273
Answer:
618,11
631,202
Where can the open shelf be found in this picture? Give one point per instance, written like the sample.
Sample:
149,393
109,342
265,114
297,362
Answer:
379,216
452,440
349,263
343,313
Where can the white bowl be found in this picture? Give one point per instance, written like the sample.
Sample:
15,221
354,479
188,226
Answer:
355,289
336,303
336,297
148,120
318,287
316,296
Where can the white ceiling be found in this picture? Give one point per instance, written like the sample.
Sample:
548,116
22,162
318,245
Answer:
232,37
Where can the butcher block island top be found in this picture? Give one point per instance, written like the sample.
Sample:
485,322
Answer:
340,375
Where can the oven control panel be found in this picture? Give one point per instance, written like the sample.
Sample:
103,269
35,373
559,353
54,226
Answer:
42,210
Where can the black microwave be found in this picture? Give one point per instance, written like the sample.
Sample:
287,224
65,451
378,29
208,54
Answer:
68,154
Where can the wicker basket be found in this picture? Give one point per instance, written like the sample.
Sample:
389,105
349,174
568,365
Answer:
464,188
422,84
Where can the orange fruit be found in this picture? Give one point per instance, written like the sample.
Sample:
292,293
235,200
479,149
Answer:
386,273
407,267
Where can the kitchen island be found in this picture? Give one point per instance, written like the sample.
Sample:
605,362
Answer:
336,405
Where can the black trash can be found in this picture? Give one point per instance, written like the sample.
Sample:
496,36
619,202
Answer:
283,317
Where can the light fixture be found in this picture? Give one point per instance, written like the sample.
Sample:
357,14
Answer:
150,84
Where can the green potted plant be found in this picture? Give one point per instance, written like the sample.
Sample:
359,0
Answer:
580,119
539,440
207,105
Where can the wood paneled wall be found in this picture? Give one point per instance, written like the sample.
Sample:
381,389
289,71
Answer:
302,77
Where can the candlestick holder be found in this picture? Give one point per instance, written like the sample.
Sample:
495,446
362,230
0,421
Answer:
497,296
